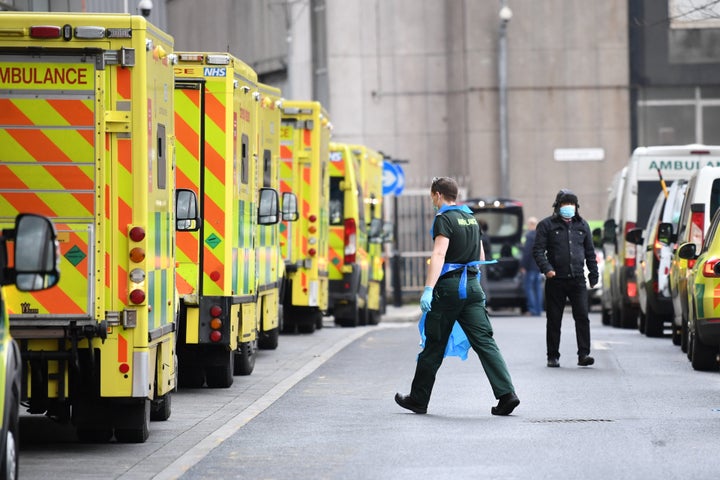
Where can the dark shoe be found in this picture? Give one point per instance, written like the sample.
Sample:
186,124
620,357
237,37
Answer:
506,404
553,362
406,402
585,360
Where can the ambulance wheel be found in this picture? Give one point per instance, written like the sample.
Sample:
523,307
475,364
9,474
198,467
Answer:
138,416
221,376
190,377
704,357
308,322
245,359
94,435
269,340
160,408
9,466
374,317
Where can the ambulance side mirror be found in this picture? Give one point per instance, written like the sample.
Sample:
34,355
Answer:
376,231
289,207
268,211
186,211
36,253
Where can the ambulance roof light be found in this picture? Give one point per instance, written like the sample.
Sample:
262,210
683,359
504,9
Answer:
191,57
218,59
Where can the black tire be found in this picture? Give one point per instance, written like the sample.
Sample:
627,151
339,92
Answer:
244,361
642,322
269,340
307,321
374,317
161,408
684,336
703,357
606,316
350,320
654,323
9,462
628,317
676,335
140,418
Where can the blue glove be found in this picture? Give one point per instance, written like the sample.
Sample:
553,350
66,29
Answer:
426,299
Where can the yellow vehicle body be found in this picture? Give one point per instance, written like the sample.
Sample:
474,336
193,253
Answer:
304,154
371,168
86,110
348,266
228,270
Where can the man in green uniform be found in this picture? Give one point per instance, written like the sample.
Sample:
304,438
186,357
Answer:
453,293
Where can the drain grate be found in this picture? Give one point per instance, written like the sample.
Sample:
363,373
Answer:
571,420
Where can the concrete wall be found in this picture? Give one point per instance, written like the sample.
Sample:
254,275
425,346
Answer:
417,79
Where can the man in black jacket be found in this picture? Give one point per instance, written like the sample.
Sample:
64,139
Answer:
563,246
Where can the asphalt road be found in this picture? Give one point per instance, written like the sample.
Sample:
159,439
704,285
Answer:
321,406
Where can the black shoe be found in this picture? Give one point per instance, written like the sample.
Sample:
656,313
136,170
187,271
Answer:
506,404
553,362
406,402
585,360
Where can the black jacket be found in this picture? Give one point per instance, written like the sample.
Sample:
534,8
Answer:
565,247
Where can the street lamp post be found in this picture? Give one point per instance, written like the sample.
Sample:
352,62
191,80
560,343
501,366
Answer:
505,15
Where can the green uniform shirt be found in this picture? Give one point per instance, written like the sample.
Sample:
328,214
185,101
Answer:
464,233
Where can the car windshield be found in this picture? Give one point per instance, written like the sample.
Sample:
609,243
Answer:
502,224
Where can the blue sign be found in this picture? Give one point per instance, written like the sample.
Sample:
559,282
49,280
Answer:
393,179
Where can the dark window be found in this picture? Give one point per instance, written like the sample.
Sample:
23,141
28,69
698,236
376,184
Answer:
161,158
267,168
244,163
337,201
647,194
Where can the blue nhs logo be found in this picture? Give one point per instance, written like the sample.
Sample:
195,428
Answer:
214,72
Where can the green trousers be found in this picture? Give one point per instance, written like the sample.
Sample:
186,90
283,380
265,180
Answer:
471,314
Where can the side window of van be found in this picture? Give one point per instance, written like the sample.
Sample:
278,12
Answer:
714,197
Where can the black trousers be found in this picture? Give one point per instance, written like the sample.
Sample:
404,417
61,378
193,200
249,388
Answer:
557,291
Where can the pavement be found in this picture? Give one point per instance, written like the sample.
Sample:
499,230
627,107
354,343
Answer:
404,313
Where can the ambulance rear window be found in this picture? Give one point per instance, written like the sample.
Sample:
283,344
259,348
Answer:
337,201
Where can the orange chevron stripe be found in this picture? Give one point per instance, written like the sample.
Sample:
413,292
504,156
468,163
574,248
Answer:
215,110
72,178
187,136
214,214
28,202
183,181
212,263
54,300
188,244
107,202
307,137
193,96
39,146
285,152
124,216
122,283
123,82
124,148
183,286
75,112
10,181
214,162
10,114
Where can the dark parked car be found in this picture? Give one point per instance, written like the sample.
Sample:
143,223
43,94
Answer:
503,218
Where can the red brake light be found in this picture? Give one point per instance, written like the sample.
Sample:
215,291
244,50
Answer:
312,252
629,247
350,241
709,267
215,336
137,296
312,218
216,311
45,31
137,234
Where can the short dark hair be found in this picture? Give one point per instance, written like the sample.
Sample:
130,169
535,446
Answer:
446,186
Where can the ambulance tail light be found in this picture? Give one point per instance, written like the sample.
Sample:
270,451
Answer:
350,241
629,247
712,267
136,259
45,31
657,247
697,228
216,323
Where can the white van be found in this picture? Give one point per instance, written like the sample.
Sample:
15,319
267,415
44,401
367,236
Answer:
610,248
642,185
